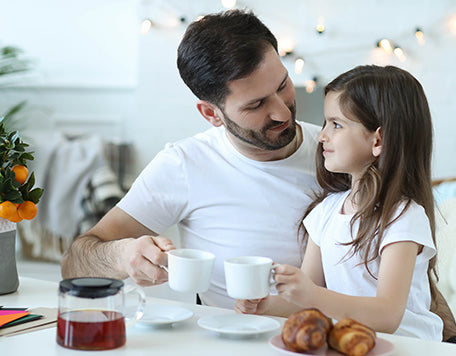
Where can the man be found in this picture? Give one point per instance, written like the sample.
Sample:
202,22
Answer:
240,188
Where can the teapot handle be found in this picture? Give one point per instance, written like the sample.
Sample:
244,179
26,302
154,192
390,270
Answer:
132,288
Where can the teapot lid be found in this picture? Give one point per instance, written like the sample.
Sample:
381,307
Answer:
90,287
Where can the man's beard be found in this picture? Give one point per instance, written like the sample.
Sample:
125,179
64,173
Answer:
260,138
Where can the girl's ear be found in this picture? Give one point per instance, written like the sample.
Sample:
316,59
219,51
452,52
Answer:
209,112
377,146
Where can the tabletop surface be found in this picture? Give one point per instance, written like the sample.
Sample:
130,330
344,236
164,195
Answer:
182,338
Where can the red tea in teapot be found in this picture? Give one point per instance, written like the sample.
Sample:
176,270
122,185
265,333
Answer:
91,329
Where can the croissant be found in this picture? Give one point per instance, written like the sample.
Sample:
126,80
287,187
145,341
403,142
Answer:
351,338
306,330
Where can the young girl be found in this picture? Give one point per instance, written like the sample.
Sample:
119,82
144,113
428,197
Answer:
371,249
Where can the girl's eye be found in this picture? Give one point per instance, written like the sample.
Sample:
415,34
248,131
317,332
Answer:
336,125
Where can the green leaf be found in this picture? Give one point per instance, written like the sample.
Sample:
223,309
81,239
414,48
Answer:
27,155
10,51
30,182
35,195
19,200
15,109
12,195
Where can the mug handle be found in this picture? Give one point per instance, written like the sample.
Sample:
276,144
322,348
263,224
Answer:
131,287
272,281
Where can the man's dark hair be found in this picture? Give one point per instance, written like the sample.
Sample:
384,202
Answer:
220,48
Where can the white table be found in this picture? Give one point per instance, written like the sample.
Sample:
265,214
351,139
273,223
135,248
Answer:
185,338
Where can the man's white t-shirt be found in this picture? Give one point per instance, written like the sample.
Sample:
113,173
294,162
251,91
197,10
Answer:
328,227
226,203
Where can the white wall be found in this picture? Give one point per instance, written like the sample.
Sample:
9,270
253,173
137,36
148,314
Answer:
75,43
91,60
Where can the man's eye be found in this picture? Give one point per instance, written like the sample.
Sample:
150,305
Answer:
257,106
283,86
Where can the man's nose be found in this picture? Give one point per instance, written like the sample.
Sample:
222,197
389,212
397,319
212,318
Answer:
280,111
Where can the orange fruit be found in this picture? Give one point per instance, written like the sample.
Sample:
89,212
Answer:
21,173
7,209
15,218
27,210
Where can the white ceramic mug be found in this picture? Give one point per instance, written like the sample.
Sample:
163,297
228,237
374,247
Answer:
190,270
248,277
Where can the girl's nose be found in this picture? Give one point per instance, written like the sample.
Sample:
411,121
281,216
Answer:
322,136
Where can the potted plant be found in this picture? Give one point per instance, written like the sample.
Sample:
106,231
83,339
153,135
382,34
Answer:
18,201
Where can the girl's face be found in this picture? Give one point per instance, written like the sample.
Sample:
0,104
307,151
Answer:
348,147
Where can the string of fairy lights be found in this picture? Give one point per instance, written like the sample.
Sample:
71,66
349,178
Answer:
291,55
385,44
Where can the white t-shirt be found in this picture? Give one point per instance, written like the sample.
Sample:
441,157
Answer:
226,203
328,227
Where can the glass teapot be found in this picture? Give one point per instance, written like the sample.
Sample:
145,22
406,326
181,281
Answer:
92,315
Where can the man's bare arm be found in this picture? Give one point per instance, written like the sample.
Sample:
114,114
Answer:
118,247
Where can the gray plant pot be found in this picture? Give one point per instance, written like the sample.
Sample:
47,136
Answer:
9,281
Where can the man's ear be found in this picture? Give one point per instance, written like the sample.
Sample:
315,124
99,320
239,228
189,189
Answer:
377,146
210,112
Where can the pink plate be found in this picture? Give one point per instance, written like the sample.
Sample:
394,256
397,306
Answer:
382,348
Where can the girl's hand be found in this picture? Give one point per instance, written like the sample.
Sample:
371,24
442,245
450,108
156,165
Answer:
294,285
251,306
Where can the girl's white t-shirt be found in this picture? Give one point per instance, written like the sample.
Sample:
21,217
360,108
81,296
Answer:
328,227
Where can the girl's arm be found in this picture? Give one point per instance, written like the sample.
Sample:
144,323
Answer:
270,305
383,312
312,265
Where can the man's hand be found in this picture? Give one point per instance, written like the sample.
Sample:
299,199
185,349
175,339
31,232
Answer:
142,258
118,246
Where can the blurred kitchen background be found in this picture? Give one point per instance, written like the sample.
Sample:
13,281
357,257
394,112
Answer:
102,94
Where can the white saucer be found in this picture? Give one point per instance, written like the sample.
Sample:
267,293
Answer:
238,324
382,348
160,314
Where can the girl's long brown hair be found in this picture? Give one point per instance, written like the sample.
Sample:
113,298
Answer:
391,99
